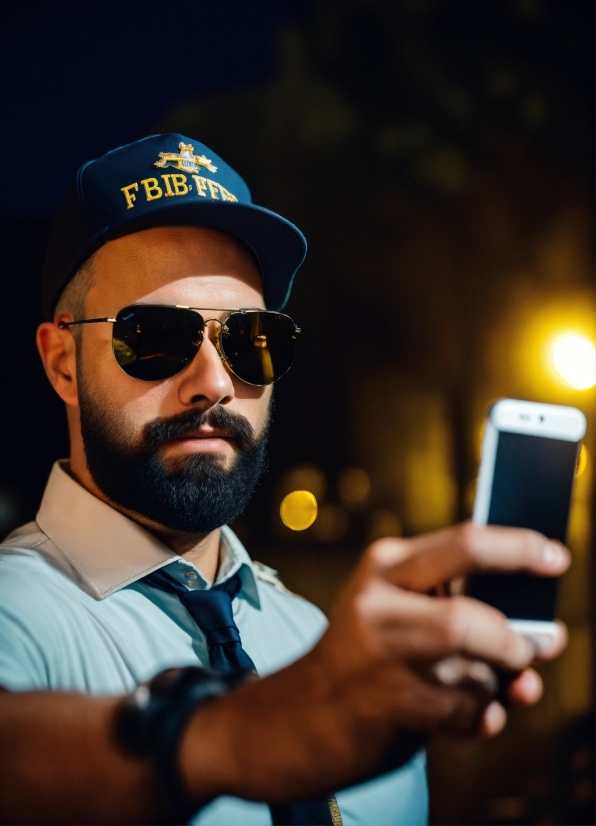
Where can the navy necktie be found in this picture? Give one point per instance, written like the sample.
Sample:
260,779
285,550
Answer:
211,609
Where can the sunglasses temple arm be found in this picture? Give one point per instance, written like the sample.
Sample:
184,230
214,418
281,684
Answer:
85,321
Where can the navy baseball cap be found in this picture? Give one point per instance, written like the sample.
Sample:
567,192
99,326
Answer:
166,180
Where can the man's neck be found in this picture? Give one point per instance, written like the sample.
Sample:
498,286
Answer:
200,549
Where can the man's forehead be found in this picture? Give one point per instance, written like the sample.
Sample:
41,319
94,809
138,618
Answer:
180,260
202,243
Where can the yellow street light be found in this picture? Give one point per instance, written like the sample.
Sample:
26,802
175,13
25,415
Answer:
574,359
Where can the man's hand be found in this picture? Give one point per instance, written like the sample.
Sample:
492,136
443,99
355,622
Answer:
445,644
395,665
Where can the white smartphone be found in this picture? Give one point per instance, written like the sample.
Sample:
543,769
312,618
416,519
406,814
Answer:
529,457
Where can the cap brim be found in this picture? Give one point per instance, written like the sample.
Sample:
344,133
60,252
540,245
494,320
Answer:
279,246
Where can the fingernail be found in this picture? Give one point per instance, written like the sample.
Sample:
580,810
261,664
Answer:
552,556
449,671
495,718
543,643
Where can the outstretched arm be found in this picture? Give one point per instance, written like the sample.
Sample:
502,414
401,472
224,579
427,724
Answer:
394,665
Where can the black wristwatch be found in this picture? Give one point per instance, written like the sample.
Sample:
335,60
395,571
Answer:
150,723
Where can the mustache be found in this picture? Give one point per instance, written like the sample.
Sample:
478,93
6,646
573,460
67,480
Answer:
162,430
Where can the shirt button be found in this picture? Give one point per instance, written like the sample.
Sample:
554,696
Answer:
191,575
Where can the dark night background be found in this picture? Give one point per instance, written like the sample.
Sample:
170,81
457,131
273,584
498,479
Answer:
438,155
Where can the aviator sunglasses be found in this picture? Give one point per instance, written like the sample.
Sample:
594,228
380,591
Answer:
152,342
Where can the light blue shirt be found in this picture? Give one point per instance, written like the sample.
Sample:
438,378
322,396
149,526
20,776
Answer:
74,617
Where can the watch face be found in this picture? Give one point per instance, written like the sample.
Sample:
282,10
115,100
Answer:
134,722
156,712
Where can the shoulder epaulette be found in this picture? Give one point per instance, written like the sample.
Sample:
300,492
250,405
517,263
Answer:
270,575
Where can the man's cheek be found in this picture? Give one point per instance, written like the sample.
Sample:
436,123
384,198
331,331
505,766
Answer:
265,411
134,416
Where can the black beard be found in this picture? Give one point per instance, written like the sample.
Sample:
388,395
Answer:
198,494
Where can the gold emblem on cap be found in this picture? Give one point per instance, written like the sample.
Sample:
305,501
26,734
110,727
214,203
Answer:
185,160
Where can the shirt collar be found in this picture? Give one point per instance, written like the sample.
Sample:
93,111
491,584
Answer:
110,551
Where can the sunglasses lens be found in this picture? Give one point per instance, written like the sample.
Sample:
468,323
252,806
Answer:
259,346
154,343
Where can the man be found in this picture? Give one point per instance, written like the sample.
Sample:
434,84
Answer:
162,292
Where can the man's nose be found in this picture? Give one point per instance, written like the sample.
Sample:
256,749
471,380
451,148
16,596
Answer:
206,378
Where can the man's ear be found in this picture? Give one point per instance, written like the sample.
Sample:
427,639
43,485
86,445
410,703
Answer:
57,349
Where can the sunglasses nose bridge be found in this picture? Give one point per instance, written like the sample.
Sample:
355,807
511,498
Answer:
222,325
218,336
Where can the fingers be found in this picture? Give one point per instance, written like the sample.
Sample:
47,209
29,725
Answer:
525,689
477,630
435,657
493,720
476,711
550,645
460,671
468,703
422,628
426,561
470,698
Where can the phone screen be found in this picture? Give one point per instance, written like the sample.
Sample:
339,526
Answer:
532,484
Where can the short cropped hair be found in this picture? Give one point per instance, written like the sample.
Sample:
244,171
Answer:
73,297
